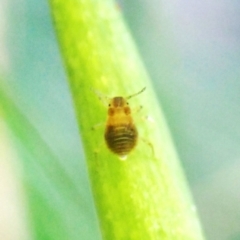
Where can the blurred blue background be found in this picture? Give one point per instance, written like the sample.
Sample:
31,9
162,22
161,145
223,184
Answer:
192,52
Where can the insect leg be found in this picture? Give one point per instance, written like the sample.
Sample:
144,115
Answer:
137,110
97,151
150,145
96,126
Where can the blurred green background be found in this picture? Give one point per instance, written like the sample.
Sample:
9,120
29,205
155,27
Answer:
192,52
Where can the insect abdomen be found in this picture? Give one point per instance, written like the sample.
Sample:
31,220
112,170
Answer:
121,139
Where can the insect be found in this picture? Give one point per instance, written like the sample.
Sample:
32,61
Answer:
121,134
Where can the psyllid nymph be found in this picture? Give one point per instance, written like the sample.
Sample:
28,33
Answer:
121,134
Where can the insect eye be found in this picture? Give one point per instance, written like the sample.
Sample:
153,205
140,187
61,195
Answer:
110,111
127,110
109,104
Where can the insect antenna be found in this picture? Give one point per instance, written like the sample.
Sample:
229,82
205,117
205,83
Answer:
135,94
104,99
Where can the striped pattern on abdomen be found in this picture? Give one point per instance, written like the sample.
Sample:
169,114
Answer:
121,139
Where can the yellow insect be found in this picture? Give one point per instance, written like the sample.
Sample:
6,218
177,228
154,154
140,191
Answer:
121,134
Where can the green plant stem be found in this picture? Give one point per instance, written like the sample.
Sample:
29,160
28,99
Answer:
144,197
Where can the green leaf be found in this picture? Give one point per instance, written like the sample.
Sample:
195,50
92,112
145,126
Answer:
55,202
14,223
146,196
